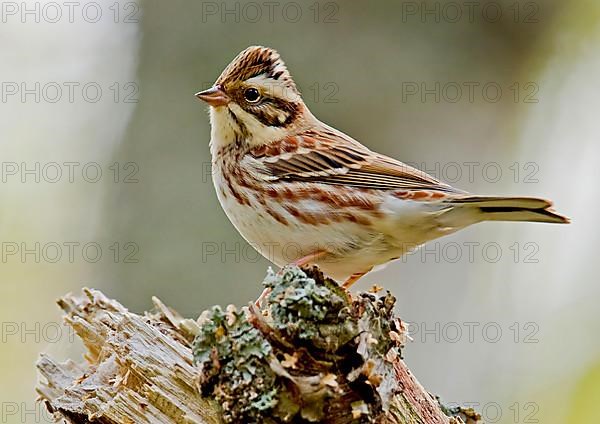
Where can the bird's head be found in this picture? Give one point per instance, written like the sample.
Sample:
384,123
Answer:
254,100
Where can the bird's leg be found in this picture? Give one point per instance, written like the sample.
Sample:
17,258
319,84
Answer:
305,260
354,278
262,297
309,258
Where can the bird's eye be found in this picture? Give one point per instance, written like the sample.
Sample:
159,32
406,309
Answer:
251,95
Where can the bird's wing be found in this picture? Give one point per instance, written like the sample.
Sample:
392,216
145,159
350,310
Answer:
330,157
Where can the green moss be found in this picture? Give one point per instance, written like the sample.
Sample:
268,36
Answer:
466,415
309,309
233,359
310,345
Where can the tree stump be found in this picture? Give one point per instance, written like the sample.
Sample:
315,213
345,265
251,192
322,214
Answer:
309,352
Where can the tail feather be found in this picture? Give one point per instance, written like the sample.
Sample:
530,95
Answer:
513,209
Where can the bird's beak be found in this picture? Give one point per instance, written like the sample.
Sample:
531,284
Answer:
214,96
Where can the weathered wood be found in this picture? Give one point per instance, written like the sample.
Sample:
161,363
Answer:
139,368
310,353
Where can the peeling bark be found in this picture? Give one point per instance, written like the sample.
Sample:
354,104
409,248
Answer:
309,353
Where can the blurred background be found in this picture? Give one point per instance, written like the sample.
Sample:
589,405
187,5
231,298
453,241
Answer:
105,175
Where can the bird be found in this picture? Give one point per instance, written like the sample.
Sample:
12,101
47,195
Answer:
302,192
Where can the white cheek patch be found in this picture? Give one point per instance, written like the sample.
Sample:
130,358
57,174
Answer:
278,88
259,133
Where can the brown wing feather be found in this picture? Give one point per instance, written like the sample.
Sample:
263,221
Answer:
333,158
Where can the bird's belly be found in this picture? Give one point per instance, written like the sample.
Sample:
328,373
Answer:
355,243
283,239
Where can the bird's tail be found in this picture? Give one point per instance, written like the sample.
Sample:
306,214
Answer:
492,208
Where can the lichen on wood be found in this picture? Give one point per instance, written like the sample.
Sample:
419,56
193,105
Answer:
310,352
